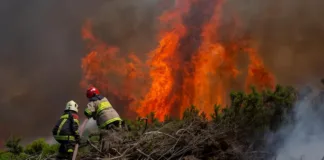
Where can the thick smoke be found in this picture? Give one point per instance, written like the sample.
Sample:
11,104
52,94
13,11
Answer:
303,136
289,35
129,25
40,57
40,51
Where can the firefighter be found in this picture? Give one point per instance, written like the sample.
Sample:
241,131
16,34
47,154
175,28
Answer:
100,109
66,132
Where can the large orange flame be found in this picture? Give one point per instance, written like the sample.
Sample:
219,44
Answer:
181,73
163,64
215,67
106,69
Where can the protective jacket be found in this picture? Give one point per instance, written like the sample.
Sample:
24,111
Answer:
66,128
100,109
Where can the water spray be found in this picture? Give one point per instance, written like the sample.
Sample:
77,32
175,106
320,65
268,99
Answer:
81,129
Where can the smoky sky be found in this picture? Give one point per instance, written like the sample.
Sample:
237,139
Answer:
41,48
40,52
289,35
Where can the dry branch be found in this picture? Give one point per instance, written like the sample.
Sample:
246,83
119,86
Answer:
195,138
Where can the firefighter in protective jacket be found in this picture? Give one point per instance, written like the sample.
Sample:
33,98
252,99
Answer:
100,109
66,130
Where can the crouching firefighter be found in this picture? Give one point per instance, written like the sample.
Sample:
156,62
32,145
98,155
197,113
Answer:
100,109
66,132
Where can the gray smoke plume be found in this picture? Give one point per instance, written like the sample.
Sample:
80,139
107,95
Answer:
303,136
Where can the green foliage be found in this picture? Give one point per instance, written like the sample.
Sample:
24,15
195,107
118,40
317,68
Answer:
135,125
40,146
5,155
8,155
94,138
14,150
13,145
193,113
51,149
257,111
217,115
36,147
152,120
140,123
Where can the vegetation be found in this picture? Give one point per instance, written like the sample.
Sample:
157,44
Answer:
234,132
38,149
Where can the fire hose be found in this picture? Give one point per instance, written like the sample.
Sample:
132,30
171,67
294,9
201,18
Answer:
81,129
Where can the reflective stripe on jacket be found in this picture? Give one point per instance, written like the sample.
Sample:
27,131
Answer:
66,127
100,109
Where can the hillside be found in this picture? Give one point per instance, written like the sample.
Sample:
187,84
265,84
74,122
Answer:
238,131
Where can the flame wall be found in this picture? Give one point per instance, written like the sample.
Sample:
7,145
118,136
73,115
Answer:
192,64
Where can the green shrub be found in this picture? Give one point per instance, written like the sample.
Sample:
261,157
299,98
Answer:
13,145
11,156
192,113
14,150
41,148
257,111
36,147
5,155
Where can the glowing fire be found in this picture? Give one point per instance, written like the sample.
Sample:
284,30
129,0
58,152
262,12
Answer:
215,67
104,68
180,73
163,64
258,75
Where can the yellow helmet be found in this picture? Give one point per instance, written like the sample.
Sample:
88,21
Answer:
72,106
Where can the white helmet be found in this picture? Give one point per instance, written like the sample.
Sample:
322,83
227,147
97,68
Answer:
72,106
